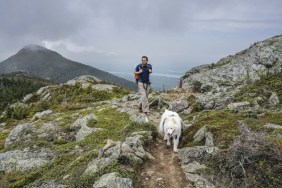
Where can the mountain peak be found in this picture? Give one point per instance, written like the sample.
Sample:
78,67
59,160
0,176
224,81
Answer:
33,48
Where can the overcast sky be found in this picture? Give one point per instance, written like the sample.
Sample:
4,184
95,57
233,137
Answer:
114,34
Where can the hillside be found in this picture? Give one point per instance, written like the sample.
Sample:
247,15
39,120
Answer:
15,86
48,64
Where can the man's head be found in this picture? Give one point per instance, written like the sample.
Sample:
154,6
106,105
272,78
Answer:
144,60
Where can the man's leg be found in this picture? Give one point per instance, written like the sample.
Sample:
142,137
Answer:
143,99
145,104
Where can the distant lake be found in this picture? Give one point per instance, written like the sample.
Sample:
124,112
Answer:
159,80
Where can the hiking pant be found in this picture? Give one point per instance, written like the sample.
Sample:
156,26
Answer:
143,90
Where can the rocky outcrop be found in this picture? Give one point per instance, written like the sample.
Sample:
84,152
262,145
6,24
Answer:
131,150
85,80
24,160
218,83
38,115
113,180
82,125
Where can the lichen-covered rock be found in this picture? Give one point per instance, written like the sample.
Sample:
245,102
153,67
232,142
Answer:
209,139
82,126
23,160
83,79
193,167
22,133
103,87
113,180
27,97
50,184
139,118
273,99
189,154
83,121
178,105
238,106
39,115
271,125
200,135
131,150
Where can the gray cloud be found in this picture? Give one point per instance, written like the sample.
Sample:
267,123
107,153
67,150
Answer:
114,34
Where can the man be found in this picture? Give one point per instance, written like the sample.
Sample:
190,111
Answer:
143,70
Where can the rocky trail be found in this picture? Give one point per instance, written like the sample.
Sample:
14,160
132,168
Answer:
164,169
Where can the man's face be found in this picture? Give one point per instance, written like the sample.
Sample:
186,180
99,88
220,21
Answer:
144,61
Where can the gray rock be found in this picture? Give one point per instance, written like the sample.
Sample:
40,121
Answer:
193,167
103,87
20,134
44,92
27,97
273,99
85,131
113,180
39,115
209,139
132,97
238,106
178,105
51,184
24,160
203,183
82,126
200,135
83,121
271,125
189,154
2,126
139,118
83,79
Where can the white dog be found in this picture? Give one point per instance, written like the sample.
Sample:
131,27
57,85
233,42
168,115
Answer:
171,127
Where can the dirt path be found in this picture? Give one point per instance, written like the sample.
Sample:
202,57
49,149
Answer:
164,171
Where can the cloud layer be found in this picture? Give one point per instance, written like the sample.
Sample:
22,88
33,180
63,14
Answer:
114,34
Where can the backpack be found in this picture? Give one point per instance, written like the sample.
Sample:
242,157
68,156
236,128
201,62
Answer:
136,76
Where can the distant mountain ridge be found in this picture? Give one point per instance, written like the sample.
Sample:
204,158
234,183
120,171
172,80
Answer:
48,64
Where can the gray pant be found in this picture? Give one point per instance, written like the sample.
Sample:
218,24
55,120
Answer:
143,90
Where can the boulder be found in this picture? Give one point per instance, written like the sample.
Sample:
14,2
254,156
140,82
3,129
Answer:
271,125
200,135
139,118
193,167
39,115
24,160
209,139
113,180
238,106
83,79
83,121
50,184
103,87
189,154
27,97
178,105
20,134
273,99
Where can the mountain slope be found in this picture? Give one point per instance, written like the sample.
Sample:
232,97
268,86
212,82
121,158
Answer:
218,83
51,65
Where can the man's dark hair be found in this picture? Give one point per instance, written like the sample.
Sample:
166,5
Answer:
145,57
